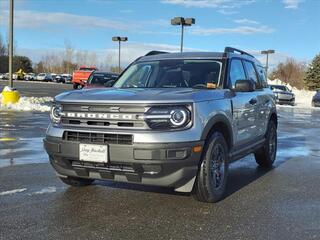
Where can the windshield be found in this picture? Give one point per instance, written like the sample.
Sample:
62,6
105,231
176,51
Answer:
101,78
279,87
172,74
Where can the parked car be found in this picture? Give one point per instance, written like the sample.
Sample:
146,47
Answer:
80,77
171,119
29,77
316,99
58,79
67,78
2,76
45,77
53,75
283,94
101,79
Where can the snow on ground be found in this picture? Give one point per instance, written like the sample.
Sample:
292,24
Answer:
13,191
303,97
38,104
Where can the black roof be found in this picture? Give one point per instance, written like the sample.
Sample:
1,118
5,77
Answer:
104,72
196,55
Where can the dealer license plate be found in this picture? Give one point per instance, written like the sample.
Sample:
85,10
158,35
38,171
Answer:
93,153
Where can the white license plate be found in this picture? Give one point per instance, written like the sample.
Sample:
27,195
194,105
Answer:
93,153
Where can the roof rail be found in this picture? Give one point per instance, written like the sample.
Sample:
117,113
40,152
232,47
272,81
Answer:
155,53
233,50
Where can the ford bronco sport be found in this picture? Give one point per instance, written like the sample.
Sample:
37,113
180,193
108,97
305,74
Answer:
171,119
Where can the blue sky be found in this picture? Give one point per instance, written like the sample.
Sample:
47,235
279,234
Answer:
288,26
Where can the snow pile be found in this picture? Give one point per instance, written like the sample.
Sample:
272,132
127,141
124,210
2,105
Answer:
7,89
303,97
38,104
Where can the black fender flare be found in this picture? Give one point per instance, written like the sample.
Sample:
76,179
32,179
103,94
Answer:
218,119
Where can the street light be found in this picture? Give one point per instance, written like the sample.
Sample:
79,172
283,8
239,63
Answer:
11,44
183,22
119,39
267,52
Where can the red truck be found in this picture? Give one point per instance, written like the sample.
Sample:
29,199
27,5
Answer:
80,76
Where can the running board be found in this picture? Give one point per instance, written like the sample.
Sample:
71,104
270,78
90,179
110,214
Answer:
245,150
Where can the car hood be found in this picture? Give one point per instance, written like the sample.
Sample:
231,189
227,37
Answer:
283,92
140,95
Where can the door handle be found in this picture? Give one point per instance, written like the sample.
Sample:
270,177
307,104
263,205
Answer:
253,101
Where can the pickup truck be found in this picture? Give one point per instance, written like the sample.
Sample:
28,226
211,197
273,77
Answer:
171,119
80,76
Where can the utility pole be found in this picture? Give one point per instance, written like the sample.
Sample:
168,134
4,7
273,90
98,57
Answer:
183,22
267,52
119,39
11,44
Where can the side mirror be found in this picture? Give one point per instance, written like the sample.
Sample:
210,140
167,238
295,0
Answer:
245,85
109,83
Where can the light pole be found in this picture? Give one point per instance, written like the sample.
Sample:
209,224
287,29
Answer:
183,22
267,52
119,39
11,44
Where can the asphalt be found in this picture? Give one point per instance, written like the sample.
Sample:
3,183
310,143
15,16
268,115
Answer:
282,203
37,89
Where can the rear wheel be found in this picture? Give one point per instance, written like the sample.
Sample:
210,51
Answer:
212,176
77,182
266,155
75,86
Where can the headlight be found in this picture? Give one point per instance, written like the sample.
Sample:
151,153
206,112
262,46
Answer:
168,117
55,113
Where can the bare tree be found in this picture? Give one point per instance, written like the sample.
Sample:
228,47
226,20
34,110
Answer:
290,72
3,47
68,56
81,58
92,59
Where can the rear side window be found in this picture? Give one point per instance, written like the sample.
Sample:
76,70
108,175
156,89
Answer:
252,74
262,76
236,72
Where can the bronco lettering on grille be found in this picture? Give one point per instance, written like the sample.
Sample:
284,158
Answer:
99,115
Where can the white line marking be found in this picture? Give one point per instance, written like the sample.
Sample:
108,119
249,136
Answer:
46,190
13,191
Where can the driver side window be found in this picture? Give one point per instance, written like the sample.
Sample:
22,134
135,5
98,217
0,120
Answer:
236,72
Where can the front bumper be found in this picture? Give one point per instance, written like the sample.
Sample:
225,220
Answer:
160,164
285,100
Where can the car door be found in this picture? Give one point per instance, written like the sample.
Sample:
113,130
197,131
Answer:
266,97
244,105
260,99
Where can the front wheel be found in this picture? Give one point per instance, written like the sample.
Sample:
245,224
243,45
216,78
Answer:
77,182
266,155
212,176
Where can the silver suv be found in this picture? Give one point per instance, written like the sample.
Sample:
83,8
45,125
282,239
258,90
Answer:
171,119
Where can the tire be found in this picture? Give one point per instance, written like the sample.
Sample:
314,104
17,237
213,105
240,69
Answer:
266,155
77,182
75,86
211,180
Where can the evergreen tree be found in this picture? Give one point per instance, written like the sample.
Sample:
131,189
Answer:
312,76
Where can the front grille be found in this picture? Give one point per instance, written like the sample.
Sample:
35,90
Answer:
104,116
104,138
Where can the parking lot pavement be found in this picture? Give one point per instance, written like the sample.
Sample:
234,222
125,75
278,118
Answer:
282,203
37,89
